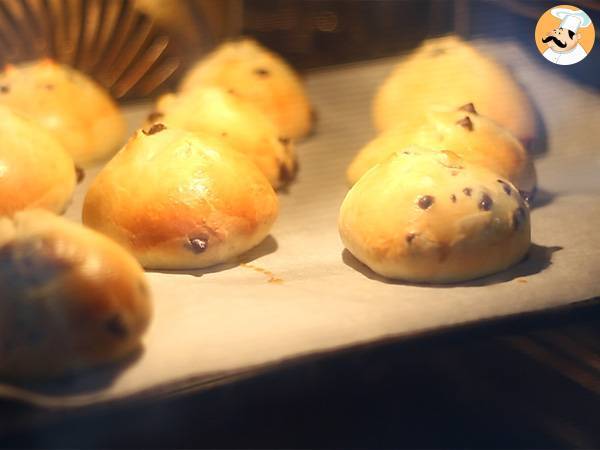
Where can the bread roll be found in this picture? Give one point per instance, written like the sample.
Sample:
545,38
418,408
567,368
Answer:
213,110
449,72
463,131
432,217
35,170
180,200
69,297
260,77
68,104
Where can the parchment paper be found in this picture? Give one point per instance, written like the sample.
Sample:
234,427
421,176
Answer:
301,294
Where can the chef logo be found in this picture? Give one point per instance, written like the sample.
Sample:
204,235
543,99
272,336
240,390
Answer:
564,35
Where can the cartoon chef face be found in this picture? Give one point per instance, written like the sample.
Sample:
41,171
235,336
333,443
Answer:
561,40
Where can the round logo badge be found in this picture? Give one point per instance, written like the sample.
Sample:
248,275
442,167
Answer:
564,35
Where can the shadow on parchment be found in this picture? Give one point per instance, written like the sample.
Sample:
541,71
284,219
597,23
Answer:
538,259
289,179
78,382
542,198
539,144
267,246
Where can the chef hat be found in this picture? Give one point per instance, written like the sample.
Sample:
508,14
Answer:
571,19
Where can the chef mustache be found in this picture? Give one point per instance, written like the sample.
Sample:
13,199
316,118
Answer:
556,41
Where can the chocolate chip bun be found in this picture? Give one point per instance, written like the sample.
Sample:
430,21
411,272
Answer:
35,170
70,298
68,104
463,131
431,217
242,126
261,77
449,72
180,200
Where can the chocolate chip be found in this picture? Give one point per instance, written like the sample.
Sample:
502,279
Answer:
505,186
80,173
4,89
262,72
155,115
465,122
453,198
486,202
410,237
156,128
518,218
285,140
198,244
469,107
117,326
467,191
425,201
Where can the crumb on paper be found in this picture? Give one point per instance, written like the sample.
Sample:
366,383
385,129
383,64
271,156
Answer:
271,277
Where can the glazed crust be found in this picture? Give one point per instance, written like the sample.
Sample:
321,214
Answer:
431,217
68,104
35,170
474,138
181,200
242,126
449,72
70,297
260,77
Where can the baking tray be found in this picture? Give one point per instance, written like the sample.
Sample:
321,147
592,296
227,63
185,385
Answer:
299,293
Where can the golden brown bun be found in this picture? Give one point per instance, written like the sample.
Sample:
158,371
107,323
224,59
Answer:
474,138
449,72
35,170
68,104
431,217
242,126
259,76
70,298
181,200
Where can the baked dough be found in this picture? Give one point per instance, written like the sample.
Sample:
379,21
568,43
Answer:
181,200
68,104
35,170
261,77
213,110
432,217
450,72
70,297
463,131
